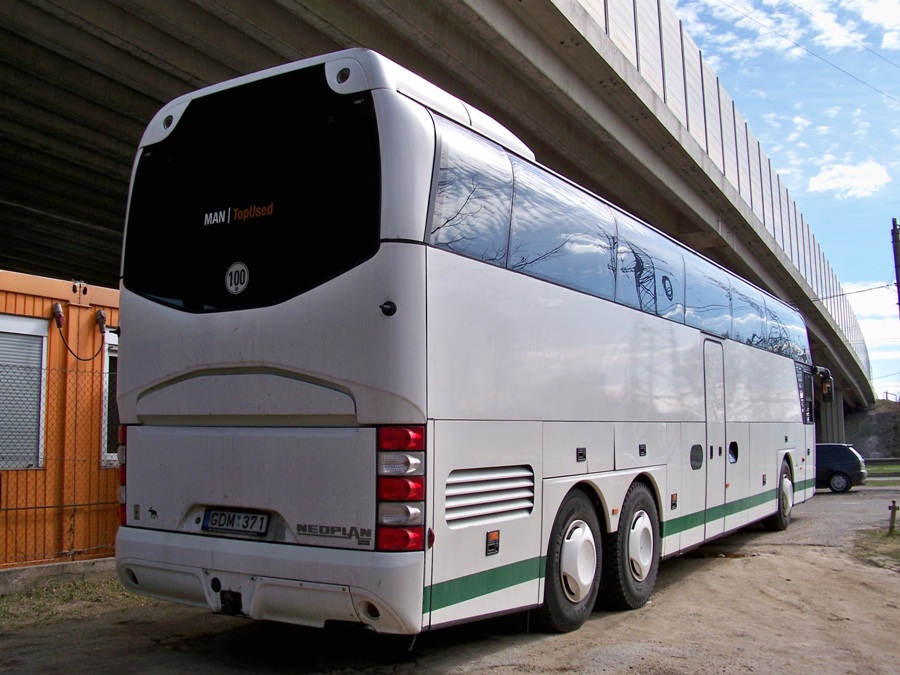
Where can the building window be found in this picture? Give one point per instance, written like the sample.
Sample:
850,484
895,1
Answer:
23,348
110,438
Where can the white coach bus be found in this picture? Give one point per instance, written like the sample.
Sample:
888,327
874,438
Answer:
378,366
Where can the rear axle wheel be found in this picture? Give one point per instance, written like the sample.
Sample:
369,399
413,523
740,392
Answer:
572,578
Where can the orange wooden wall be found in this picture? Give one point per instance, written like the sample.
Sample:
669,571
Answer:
67,508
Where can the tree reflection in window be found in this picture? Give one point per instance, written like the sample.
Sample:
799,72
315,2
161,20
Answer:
561,233
504,211
650,270
748,314
707,294
474,195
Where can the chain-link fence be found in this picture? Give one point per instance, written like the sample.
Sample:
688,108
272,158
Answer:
58,468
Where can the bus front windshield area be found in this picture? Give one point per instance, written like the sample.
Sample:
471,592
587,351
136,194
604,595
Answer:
259,193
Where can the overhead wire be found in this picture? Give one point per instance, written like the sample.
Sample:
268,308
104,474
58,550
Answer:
809,51
849,36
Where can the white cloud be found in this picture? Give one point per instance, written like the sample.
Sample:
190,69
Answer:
879,320
881,13
860,180
831,34
874,300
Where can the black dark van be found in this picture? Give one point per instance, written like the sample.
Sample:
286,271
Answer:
839,467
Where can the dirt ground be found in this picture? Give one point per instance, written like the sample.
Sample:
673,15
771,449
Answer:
821,597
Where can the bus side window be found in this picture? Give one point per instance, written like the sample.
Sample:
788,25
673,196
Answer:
748,314
650,270
562,234
473,198
707,297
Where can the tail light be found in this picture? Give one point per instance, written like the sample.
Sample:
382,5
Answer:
121,454
401,489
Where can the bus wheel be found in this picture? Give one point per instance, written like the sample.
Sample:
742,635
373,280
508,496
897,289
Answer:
780,520
632,553
573,565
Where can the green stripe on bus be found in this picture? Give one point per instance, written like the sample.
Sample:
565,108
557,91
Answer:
473,586
692,520
469,587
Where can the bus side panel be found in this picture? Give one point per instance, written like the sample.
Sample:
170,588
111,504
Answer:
810,457
685,525
487,518
760,386
507,346
770,446
738,492
762,398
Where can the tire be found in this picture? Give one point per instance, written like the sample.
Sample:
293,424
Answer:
839,482
572,577
632,553
779,521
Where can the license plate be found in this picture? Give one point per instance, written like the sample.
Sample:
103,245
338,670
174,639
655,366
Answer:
235,522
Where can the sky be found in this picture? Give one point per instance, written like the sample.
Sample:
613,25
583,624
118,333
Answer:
818,82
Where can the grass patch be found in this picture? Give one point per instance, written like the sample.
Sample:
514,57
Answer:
71,600
877,547
882,469
876,481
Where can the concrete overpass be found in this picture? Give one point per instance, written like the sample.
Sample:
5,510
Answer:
611,93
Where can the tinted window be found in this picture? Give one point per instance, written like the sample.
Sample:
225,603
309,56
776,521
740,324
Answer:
650,270
748,313
259,193
707,296
805,389
786,332
825,453
474,195
561,234
796,331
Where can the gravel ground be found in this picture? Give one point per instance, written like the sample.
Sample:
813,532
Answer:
798,601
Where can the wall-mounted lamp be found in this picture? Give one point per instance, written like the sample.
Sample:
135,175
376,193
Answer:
58,315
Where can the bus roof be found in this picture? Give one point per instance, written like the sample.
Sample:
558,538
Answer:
351,71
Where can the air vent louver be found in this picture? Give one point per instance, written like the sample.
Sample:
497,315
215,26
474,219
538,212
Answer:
487,495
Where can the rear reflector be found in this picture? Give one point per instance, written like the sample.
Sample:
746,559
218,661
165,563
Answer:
401,489
401,438
400,539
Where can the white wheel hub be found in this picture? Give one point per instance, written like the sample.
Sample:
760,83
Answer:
640,545
578,561
787,495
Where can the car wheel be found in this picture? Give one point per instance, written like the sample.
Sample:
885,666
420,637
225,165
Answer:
572,579
632,553
839,482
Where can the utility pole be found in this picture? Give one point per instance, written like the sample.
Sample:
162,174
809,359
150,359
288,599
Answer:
895,235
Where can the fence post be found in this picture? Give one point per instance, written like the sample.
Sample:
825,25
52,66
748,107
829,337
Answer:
893,508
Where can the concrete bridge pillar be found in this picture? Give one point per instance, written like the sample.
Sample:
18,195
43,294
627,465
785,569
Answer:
830,425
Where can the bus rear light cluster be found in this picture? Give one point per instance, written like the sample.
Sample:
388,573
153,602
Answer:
121,454
400,523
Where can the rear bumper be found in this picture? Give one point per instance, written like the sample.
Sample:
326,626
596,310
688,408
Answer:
293,584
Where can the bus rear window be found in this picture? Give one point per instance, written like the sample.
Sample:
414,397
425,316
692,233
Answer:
259,194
